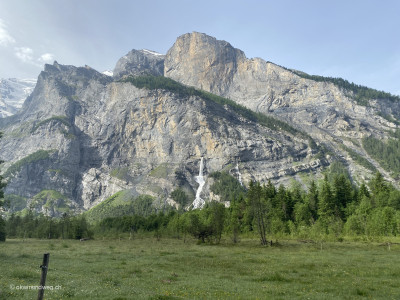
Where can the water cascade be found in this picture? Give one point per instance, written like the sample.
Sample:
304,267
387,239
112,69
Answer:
239,174
198,201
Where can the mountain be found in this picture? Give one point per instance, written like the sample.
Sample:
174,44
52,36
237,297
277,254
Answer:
13,93
82,136
333,114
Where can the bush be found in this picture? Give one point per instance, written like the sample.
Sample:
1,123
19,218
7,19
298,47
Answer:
180,197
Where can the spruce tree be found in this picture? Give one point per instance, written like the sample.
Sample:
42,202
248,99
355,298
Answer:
326,207
312,200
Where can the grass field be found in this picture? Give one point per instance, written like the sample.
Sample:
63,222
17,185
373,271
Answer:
145,268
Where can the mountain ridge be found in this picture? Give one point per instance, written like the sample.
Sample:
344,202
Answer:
104,134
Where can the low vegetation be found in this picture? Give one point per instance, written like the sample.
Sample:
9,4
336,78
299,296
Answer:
386,153
361,160
34,157
153,268
59,119
160,171
120,173
121,204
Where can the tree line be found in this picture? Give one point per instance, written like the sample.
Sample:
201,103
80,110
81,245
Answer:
331,208
361,94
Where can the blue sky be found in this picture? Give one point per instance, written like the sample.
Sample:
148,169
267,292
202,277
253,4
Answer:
353,39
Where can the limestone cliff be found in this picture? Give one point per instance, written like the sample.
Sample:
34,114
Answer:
140,62
82,136
322,109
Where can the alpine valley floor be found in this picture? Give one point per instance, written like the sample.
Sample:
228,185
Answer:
147,268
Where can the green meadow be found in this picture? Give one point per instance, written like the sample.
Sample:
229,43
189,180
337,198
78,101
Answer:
162,268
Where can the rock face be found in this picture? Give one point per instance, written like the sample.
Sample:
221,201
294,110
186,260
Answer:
140,62
204,62
98,136
82,136
323,110
13,93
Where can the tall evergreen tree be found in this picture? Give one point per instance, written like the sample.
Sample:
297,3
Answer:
362,191
312,200
326,207
380,190
342,194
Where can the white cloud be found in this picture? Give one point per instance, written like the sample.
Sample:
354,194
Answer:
25,54
5,37
46,58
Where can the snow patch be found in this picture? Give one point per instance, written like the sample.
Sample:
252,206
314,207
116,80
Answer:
108,73
152,52
13,93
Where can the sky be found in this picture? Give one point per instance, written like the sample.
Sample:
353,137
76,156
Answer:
358,40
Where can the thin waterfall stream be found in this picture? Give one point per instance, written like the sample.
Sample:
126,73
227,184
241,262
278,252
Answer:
198,201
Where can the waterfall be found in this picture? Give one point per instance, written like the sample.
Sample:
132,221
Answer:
198,201
239,175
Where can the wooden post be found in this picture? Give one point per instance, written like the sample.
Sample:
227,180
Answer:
44,268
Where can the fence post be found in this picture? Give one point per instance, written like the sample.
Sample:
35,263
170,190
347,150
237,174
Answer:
44,268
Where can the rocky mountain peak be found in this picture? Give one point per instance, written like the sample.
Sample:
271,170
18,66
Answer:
200,60
140,62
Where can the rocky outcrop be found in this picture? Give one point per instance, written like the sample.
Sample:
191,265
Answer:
140,62
204,62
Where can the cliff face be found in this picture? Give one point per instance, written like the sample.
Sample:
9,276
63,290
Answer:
82,136
323,110
140,62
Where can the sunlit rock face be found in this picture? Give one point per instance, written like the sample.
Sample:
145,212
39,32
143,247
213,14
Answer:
323,110
81,136
97,136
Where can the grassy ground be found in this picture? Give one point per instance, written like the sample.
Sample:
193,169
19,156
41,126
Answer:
145,268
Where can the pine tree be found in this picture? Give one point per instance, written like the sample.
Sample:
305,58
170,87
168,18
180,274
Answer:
342,194
378,184
312,200
326,207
